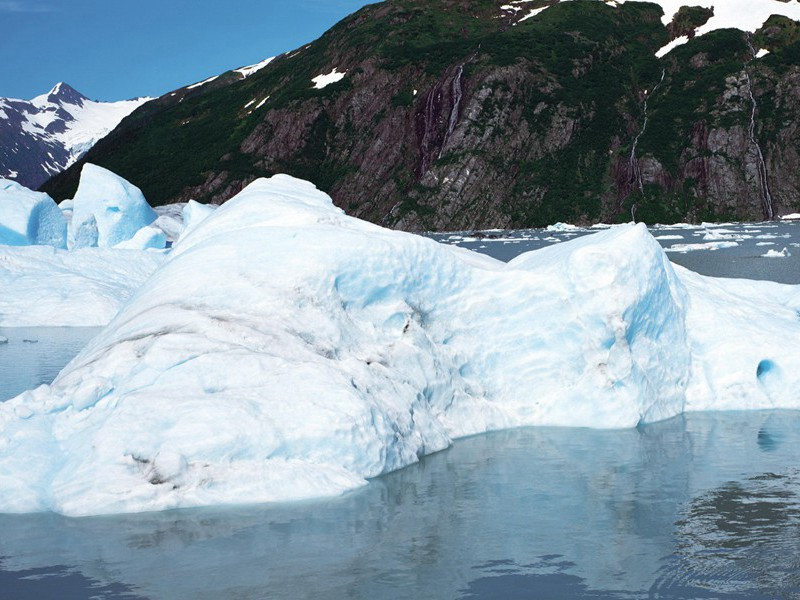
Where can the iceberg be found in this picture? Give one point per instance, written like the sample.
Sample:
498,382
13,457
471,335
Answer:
29,218
48,287
284,350
107,209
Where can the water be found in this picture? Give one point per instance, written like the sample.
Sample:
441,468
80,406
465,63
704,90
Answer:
701,506
706,506
34,355
688,246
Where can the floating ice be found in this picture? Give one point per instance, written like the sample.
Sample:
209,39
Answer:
146,238
43,286
29,218
777,253
285,350
107,209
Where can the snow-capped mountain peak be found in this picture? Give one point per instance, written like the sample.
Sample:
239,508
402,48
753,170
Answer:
45,135
62,93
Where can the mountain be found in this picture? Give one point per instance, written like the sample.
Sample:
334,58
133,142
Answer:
43,136
462,114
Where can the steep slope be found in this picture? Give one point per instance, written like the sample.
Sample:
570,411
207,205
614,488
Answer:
43,136
456,114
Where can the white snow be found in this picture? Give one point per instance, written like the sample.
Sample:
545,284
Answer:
107,209
247,71
664,50
28,217
746,15
201,83
762,53
260,104
791,217
85,123
42,286
322,81
285,351
533,13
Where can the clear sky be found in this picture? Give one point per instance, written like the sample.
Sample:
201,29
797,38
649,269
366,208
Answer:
119,49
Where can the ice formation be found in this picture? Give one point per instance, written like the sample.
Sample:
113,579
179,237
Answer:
107,209
44,287
146,238
284,350
195,213
29,218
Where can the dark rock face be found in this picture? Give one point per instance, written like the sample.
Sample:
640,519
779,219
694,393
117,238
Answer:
25,156
450,117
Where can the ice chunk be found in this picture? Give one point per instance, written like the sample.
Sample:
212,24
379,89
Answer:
107,209
146,238
195,213
29,218
776,253
170,220
285,350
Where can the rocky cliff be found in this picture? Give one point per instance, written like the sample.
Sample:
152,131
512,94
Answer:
462,114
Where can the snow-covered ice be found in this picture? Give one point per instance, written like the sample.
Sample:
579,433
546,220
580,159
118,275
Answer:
777,253
147,238
195,213
42,286
107,209
284,350
29,218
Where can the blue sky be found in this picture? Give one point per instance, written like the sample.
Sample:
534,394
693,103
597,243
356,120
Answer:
117,49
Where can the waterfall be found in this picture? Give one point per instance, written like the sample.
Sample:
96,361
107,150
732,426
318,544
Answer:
429,124
633,164
763,182
457,93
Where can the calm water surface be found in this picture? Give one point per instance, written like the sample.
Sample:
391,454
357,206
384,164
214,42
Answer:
32,356
701,506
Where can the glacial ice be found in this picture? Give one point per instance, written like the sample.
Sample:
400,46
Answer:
195,213
29,218
284,350
47,287
146,238
107,209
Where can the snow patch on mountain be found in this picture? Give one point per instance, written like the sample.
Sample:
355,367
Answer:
745,15
323,81
247,71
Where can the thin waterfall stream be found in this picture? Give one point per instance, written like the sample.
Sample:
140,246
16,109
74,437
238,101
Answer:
636,173
763,181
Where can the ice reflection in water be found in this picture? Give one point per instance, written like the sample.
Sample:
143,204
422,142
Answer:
696,507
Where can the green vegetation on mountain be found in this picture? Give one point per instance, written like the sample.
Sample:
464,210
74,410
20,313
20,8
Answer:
453,116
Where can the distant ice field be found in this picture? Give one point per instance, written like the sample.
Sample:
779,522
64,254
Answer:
737,250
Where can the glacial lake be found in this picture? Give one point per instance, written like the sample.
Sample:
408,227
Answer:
706,505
